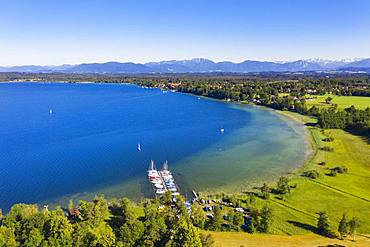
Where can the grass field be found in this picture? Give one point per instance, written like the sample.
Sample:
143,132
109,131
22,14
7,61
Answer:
226,239
341,101
348,193
296,213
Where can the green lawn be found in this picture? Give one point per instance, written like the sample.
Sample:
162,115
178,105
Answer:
344,193
237,239
341,101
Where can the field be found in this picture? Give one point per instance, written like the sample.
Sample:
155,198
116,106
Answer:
296,213
341,101
226,239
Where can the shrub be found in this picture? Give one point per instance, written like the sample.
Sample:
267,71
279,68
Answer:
332,173
265,190
206,240
328,139
326,148
340,169
311,174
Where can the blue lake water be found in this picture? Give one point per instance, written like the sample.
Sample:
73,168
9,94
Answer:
62,140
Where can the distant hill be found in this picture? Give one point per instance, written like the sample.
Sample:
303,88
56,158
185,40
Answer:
35,68
25,68
365,63
198,65
356,69
110,67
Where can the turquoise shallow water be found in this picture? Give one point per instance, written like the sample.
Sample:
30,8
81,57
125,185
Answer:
59,140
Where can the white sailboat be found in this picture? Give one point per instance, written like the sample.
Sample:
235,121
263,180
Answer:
153,174
222,130
165,166
50,111
139,147
151,166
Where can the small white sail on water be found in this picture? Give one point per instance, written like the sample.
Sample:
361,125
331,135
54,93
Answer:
139,147
151,166
50,111
165,166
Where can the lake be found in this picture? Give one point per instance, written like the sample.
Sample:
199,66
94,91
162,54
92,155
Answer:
70,140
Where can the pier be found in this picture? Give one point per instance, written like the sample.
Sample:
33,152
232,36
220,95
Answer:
162,180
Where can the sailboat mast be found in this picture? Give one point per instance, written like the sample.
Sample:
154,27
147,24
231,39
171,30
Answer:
165,166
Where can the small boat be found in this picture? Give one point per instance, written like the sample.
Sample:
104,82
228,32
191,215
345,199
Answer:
139,147
158,186
155,180
152,172
222,130
50,111
160,191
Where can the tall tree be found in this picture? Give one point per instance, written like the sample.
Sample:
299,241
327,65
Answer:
323,225
197,216
353,224
342,227
238,220
155,227
184,234
85,234
7,237
216,220
283,185
265,190
266,220
57,229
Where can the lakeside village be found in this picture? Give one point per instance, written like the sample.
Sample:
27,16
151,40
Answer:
175,86
163,182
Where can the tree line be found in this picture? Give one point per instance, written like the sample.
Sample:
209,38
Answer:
102,223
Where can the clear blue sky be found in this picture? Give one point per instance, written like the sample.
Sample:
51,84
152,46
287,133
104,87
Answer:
73,31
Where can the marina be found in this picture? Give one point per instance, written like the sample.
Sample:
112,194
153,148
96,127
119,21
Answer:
162,180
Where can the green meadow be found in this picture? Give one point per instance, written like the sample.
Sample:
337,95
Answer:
347,193
296,213
341,101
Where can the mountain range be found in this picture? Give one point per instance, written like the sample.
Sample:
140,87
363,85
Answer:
199,65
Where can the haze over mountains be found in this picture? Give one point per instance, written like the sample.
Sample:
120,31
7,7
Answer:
200,65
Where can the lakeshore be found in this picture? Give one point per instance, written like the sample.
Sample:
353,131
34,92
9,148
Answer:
190,141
